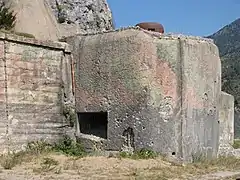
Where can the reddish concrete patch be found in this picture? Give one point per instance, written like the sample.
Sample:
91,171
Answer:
167,80
192,99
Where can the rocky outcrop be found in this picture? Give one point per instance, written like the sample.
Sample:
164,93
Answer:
82,16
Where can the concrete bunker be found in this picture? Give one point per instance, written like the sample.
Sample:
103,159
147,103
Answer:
93,123
153,83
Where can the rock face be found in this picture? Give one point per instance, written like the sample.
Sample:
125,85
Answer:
82,16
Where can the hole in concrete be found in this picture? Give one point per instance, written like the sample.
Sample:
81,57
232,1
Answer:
143,128
218,122
173,153
151,29
205,96
94,123
128,134
210,112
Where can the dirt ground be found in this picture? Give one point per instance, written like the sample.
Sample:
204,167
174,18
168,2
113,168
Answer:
61,167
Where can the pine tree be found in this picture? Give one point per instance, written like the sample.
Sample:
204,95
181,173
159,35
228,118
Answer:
7,17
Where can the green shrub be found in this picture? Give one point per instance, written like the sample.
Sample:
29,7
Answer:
142,154
7,17
68,147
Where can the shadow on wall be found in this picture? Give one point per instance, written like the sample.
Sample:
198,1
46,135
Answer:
237,124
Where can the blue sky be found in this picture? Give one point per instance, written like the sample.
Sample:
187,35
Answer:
191,17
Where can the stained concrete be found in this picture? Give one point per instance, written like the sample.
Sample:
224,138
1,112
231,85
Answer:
226,118
165,88
35,86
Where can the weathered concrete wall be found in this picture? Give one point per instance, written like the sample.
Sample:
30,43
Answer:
226,119
166,88
201,89
35,78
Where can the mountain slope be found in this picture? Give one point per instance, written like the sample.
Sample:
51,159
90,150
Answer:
228,41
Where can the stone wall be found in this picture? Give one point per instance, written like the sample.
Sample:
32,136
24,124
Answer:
160,92
35,80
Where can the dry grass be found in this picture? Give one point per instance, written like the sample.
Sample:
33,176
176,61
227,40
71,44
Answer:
61,166
66,159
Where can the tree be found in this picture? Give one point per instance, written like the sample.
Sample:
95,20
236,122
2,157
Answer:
7,17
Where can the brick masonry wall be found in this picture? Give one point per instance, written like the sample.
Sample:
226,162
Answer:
34,78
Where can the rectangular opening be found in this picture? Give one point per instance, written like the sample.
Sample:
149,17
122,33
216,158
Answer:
151,29
94,123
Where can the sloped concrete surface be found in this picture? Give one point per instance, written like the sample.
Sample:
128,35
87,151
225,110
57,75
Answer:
35,17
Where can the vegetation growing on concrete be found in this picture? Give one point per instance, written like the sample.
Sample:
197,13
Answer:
8,20
7,17
61,15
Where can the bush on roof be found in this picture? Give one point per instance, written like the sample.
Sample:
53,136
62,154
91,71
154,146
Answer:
7,17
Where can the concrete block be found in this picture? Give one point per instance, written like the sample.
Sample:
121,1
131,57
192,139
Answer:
161,92
226,118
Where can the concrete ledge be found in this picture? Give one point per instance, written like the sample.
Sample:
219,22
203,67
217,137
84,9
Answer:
156,34
32,41
91,143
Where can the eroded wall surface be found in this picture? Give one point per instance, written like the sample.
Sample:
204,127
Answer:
164,88
120,72
35,81
226,119
201,90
